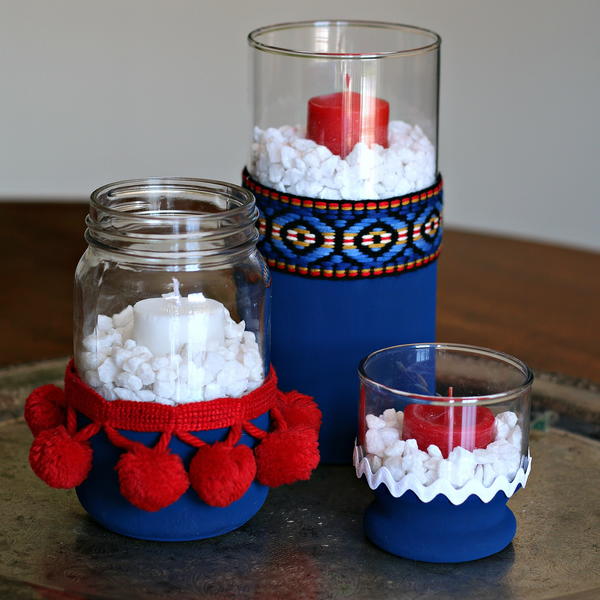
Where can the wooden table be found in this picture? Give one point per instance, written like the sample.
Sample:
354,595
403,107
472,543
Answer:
536,301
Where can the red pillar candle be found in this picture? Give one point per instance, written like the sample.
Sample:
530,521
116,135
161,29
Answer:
341,120
448,427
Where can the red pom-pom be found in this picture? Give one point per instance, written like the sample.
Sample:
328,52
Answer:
286,456
58,459
222,474
151,479
298,409
43,408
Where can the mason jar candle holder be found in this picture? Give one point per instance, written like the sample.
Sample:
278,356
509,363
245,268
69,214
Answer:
171,425
343,163
443,442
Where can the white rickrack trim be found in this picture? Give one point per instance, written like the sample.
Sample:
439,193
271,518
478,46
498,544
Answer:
440,486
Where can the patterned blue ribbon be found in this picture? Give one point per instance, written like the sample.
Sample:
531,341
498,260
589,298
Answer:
340,239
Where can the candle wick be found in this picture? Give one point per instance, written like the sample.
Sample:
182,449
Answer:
176,287
450,391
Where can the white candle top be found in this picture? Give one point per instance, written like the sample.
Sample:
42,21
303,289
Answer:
165,324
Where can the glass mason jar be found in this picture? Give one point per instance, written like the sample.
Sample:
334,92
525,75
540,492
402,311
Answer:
171,296
344,109
443,440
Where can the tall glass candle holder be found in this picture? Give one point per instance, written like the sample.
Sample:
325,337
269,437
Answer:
443,441
343,163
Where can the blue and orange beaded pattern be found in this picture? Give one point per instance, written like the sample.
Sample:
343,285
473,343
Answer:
340,239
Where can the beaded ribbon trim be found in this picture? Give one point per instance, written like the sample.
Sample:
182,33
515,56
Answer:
338,239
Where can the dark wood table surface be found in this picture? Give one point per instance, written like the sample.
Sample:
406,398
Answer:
536,301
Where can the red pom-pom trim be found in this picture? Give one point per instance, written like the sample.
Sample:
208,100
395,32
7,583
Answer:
300,410
222,474
151,479
43,408
287,455
60,460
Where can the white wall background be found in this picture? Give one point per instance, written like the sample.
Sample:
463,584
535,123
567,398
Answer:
92,92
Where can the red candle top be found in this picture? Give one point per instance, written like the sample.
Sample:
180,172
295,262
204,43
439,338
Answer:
341,120
470,427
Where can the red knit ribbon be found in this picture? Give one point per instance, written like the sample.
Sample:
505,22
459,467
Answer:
151,416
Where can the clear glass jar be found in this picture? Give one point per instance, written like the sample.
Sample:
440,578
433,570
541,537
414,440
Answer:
445,411
344,109
172,297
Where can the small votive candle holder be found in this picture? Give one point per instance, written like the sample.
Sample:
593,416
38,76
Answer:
443,442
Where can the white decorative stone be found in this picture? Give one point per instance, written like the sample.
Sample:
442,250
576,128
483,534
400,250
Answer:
374,443
283,159
403,458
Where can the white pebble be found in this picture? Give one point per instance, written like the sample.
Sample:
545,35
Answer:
501,430
91,377
434,451
374,442
411,463
389,435
488,475
131,365
478,476
375,462
146,374
165,389
212,391
89,360
508,417
515,437
411,446
107,371
166,374
389,416
159,363
104,323
125,394
400,419
394,464
374,422
444,469
463,466
89,343
432,463
129,381
396,449
146,396
124,318
120,355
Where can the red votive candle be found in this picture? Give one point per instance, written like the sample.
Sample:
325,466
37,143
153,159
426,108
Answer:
341,120
448,427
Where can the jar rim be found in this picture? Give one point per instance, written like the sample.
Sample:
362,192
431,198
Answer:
254,41
479,400
242,196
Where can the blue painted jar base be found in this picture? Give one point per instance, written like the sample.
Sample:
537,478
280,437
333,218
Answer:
321,329
187,519
438,531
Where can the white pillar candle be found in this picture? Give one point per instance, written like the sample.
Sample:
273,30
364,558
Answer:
165,324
